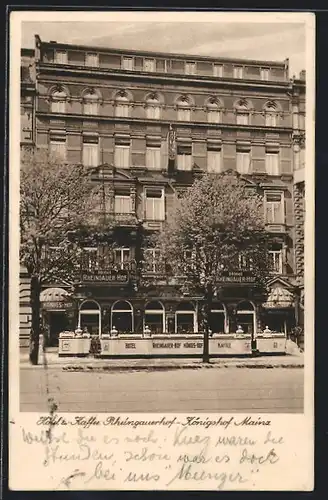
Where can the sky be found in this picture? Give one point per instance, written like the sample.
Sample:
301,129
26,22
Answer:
274,41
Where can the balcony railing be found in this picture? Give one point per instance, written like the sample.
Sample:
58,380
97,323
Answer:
119,219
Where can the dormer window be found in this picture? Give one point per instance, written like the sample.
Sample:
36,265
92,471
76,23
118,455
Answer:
128,63
91,60
265,74
149,65
190,68
218,70
238,72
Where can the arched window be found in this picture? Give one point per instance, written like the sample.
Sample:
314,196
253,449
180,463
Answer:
242,110
153,107
184,111
90,317
213,107
155,317
271,110
185,318
122,316
58,100
90,102
122,104
218,318
246,317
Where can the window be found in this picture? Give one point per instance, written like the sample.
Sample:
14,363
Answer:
265,73
60,57
213,110
184,112
90,103
154,317
184,157
58,101
127,63
152,261
218,70
153,158
272,163
155,204
122,258
217,319
90,317
243,161
274,208
58,147
213,158
90,151
122,316
275,259
149,65
270,120
242,118
122,155
246,317
92,60
122,203
238,72
190,68
153,108
245,262
185,319
90,258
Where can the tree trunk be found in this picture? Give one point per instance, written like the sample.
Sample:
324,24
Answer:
206,321
35,327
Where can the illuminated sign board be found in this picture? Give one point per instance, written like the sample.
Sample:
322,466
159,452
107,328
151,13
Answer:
103,276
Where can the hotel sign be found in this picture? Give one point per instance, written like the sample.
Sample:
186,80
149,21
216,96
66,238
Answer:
103,276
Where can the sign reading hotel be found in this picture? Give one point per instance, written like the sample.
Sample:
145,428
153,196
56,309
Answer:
113,277
236,277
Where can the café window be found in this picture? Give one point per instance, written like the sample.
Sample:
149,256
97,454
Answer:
90,317
185,319
90,151
149,65
154,317
122,316
122,153
91,60
60,57
217,320
122,202
274,208
275,258
153,157
238,72
190,68
152,261
245,316
122,258
218,70
184,157
272,163
214,158
58,147
128,63
155,204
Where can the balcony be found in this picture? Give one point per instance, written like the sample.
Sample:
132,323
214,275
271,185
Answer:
98,272
275,227
115,219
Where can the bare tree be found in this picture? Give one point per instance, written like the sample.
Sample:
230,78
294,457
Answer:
217,226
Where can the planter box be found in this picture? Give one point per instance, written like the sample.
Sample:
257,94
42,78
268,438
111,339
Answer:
74,346
173,345
274,344
230,345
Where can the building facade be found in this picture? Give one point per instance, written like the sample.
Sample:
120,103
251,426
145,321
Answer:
149,124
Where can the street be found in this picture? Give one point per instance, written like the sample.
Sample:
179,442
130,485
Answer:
205,390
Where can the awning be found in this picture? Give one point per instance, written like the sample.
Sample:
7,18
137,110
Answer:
55,299
279,298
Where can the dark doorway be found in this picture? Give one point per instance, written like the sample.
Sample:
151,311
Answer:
58,322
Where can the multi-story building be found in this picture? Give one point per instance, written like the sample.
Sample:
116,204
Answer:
149,123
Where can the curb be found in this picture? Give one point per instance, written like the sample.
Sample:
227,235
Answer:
113,369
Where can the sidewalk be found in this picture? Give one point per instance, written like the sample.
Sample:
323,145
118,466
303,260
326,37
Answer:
88,364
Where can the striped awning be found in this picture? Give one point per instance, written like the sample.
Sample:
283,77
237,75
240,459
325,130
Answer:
279,297
55,299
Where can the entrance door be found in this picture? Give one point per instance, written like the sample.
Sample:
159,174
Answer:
57,322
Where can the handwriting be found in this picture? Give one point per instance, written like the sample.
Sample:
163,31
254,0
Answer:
101,473
145,455
188,473
271,457
134,477
180,438
270,439
66,481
